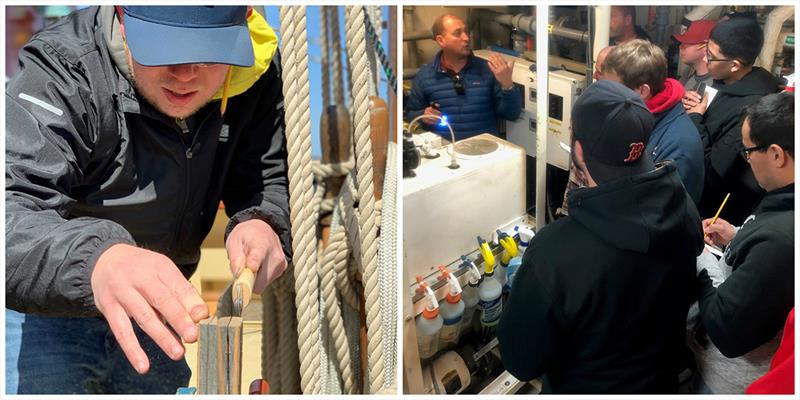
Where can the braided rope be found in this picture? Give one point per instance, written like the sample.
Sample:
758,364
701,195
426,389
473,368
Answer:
298,140
366,197
373,32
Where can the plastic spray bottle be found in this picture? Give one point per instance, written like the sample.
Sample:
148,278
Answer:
429,323
525,236
470,293
510,247
490,292
452,310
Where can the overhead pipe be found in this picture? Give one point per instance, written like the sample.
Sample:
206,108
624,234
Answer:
772,30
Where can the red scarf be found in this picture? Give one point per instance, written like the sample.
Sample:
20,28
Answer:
671,94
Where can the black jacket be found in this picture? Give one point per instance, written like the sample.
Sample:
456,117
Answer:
600,302
751,306
721,130
100,166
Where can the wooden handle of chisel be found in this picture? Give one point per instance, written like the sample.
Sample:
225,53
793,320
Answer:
246,280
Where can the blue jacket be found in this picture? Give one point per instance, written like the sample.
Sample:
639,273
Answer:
675,138
470,114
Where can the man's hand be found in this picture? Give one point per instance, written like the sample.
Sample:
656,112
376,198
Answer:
429,120
719,234
253,244
129,282
501,70
697,105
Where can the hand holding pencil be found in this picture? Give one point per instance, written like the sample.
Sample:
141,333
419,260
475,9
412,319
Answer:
717,231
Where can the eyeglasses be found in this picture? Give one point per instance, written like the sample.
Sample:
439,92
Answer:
745,153
458,85
709,58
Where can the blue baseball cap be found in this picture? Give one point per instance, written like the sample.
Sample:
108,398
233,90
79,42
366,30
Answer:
169,35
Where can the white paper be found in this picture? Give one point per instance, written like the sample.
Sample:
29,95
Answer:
711,92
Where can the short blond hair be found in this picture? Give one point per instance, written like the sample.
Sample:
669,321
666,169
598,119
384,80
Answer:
638,62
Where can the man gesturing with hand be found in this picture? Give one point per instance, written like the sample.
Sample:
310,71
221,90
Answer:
120,146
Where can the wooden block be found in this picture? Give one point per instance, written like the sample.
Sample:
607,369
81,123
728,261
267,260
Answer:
220,356
207,357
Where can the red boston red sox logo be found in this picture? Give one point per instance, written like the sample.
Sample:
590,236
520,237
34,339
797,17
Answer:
636,152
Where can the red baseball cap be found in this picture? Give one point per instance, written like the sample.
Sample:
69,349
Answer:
699,31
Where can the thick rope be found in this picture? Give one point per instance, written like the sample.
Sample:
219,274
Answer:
324,50
366,197
333,312
298,140
322,171
338,81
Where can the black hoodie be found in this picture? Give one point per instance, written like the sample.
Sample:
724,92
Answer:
721,130
600,302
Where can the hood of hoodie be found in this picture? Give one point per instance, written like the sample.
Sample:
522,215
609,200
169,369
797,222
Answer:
665,99
758,82
649,212
777,200
264,39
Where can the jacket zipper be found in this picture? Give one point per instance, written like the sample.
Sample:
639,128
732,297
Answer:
188,172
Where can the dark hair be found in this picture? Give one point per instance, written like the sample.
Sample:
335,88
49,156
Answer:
739,38
438,24
771,121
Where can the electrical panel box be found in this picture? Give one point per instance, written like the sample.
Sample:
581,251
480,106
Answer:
564,88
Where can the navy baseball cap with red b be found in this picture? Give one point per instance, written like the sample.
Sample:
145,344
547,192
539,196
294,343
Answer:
613,125
169,35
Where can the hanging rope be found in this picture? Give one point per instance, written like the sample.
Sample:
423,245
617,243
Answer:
298,141
324,50
338,80
374,35
366,198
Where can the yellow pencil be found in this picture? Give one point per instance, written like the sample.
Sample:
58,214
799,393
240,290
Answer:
720,210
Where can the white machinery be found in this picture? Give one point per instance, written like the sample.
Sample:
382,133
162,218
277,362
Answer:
564,87
444,209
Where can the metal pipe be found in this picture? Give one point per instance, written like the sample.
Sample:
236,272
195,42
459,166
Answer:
525,23
662,16
772,30
417,35
589,59
542,11
569,33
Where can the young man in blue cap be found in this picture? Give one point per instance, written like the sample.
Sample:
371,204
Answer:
599,304
125,128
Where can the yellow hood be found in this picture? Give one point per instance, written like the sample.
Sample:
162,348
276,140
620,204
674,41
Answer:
265,42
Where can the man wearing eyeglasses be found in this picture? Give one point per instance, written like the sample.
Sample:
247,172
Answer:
693,52
126,126
473,93
744,297
732,49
